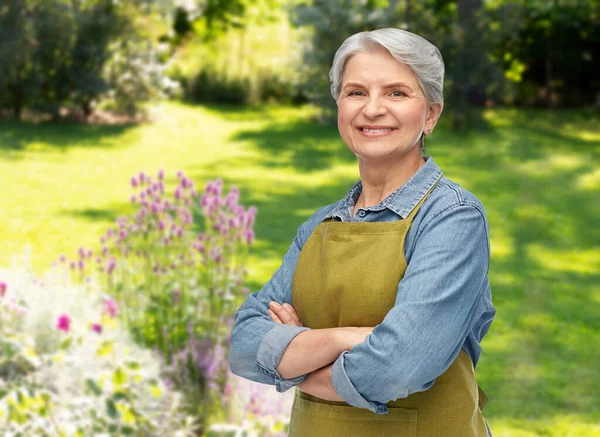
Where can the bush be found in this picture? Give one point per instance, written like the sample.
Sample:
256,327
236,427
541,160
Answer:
176,269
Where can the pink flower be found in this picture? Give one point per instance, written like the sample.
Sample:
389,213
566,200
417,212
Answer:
97,328
161,174
228,389
64,323
2,289
134,182
249,236
111,308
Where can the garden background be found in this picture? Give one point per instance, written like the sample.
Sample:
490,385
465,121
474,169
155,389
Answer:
157,157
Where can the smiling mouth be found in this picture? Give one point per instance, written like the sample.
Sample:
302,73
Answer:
364,129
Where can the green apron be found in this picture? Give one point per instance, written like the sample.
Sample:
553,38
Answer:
347,275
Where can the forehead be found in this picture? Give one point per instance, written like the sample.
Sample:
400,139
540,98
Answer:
377,67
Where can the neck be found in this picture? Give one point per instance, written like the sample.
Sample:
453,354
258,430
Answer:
381,179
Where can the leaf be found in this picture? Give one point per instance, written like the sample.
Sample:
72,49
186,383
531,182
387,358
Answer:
119,377
127,430
93,386
111,409
155,390
133,365
105,348
119,396
66,343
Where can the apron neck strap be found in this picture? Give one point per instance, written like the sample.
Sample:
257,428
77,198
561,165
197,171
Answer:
415,210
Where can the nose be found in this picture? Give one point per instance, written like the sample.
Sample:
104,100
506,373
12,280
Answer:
374,107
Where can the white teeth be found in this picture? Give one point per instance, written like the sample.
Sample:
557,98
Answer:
376,130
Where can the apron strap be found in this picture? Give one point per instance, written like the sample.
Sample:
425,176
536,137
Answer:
414,211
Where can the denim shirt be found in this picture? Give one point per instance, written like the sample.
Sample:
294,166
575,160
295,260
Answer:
443,302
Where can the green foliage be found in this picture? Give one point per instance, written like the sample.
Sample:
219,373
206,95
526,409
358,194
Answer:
551,50
57,52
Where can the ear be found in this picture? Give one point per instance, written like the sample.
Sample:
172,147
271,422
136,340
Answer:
433,114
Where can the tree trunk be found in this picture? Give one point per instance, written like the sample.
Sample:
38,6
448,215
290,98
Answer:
17,103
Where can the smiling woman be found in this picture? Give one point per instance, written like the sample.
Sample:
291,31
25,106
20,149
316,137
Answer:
379,307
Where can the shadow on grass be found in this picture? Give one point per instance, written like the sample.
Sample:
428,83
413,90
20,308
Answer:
18,137
305,145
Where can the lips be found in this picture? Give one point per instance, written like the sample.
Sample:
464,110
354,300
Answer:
375,131
371,128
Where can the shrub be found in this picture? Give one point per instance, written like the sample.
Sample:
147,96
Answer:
176,269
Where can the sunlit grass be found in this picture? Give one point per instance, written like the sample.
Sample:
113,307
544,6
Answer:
535,172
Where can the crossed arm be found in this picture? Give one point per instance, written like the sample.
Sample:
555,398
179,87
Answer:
314,352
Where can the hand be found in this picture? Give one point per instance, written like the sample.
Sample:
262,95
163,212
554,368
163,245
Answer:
353,335
284,314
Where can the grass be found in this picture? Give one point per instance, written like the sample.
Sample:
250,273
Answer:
535,172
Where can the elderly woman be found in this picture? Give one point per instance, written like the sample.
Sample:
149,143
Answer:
379,307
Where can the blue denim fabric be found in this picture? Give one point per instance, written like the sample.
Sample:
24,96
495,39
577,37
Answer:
443,302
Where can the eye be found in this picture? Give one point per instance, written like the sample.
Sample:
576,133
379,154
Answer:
354,93
398,93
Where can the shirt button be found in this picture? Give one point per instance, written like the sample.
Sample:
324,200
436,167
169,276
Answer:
362,213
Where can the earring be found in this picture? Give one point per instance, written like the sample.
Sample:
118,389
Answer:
429,131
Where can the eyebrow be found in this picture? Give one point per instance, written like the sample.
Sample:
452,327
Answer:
390,85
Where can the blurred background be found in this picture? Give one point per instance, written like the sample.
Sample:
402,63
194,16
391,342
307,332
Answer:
157,157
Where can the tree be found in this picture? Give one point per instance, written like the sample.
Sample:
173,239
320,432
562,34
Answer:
54,54
18,73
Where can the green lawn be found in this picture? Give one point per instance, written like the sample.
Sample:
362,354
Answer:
537,173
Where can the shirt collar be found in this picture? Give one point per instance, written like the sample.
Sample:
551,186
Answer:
402,201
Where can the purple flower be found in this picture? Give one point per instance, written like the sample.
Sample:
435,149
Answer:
3,288
64,323
62,258
134,182
249,236
111,308
110,266
176,296
141,177
97,328
133,199
161,174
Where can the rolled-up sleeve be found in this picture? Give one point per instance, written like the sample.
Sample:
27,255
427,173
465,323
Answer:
257,342
437,304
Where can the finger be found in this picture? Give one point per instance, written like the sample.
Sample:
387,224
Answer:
284,314
274,317
292,312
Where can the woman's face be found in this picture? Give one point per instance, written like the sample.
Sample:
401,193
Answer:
381,109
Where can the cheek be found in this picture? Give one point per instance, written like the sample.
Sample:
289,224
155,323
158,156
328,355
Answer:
344,119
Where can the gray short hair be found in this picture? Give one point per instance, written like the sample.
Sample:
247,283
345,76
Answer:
422,57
